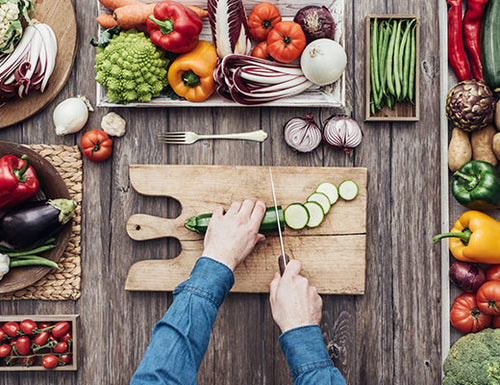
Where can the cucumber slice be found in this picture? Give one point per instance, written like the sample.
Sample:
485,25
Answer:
322,199
316,214
296,216
330,190
348,190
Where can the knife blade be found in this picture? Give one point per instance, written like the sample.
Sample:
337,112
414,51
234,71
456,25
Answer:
283,257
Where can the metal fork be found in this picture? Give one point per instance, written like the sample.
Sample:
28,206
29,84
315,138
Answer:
191,137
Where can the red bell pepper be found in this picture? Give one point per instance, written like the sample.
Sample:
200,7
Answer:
18,181
174,27
456,50
472,34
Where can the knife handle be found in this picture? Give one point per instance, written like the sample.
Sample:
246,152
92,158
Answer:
281,264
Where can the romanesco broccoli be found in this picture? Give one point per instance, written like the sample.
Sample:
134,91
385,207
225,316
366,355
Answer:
474,360
131,67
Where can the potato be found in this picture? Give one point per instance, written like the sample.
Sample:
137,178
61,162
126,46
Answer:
496,145
459,149
482,145
497,115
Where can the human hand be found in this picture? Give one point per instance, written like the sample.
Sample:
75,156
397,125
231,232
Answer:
231,237
294,302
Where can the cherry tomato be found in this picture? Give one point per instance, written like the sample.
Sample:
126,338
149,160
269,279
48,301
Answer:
11,328
61,347
96,145
3,335
67,337
488,298
29,361
60,329
66,358
262,19
466,317
5,350
50,361
44,325
23,345
27,326
41,338
493,273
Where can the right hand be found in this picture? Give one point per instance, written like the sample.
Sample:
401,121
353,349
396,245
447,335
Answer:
294,302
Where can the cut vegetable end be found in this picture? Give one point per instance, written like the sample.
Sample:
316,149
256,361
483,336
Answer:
296,216
322,199
330,190
316,215
348,190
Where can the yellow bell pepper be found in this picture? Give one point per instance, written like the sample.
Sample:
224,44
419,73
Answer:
474,238
191,74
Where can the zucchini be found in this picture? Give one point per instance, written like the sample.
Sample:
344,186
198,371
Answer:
296,216
322,199
199,224
348,190
316,214
330,190
490,45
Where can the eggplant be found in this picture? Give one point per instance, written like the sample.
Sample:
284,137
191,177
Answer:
33,223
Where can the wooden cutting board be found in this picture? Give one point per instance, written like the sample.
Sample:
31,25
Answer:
332,255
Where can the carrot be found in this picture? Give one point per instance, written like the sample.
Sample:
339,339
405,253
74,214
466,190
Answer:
199,11
131,15
106,21
114,4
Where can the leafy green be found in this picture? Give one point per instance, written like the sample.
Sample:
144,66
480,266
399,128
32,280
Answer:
106,37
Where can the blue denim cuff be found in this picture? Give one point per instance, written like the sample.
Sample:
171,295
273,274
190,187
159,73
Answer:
209,279
304,349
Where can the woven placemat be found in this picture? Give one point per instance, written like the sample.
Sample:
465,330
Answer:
63,284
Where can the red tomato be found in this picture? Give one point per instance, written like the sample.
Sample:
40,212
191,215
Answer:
11,328
466,317
66,358
488,298
29,361
44,325
496,322
27,326
262,19
286,41
3,335
493,273
5,350
23,345
61,347
260,51
96,145
41,338
67,337
50,361
60,329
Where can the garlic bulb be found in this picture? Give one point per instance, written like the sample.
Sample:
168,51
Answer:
71,115
113,124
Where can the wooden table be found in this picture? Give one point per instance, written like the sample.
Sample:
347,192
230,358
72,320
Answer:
391,335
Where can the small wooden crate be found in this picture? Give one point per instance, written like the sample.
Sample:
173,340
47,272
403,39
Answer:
403,112
71,318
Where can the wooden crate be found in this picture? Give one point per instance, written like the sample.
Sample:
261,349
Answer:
403,112
71,318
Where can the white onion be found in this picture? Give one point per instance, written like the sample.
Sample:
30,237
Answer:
302,134
323,61
342,132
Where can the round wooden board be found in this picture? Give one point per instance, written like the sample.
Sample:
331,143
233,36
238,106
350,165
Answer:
52,186
60,15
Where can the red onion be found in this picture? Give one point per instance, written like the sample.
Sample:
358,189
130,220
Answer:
467,276
342,132
316,22
302,134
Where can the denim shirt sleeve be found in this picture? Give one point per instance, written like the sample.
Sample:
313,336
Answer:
180,339
307,357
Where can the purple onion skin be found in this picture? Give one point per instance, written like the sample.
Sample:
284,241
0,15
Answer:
316,22
466,276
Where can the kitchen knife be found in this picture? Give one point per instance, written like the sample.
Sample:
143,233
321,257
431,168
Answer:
283,258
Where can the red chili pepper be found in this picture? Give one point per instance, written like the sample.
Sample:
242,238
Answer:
174,27
18,180
472,34
456,50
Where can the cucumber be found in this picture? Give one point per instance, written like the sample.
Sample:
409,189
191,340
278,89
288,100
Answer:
330,190
322,199
348,190
316,214
296,216
490,44
199,224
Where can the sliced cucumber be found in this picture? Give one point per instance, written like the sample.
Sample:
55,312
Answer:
296,216
322,199
348,190
330,190
316,214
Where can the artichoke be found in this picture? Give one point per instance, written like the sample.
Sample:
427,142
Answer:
470,105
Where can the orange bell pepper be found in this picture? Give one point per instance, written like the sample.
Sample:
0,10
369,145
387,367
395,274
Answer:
191,74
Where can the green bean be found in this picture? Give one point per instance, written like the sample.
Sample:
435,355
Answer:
38,250
397,80
390,101
403,64
373,86
50,240
411,77
383,56
34,261
390,53
374,54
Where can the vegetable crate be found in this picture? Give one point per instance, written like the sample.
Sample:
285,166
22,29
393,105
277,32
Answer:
332,95
71,318
402,112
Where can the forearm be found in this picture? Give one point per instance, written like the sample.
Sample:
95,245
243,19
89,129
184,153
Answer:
180,339
307,357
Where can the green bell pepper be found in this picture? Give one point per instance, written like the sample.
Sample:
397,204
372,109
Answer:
477,186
